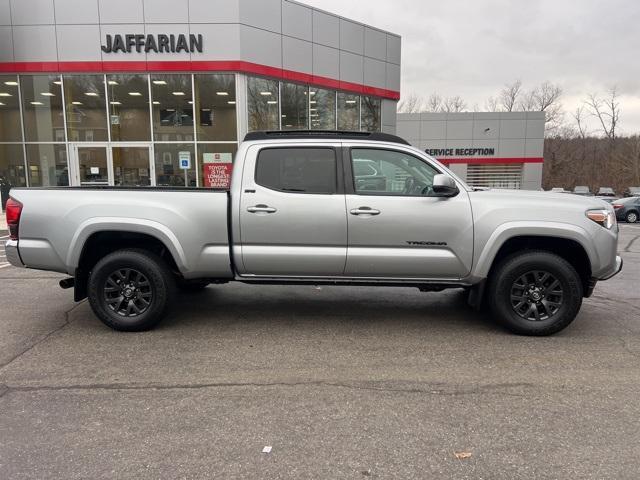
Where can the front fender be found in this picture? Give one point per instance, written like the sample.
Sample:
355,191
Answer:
487,250
134,225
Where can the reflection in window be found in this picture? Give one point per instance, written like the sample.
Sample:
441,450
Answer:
371,108
322,111
47,165
131,166
172,107
388,172
295,106
42,107
348,112
262,104
12,166
216,107
10,126
168,171
85,107
129,108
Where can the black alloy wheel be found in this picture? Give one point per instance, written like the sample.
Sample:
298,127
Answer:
536,295
128,292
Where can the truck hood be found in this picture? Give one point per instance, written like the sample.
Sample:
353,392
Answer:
533,199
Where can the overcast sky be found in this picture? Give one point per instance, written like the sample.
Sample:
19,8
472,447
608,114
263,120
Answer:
472,48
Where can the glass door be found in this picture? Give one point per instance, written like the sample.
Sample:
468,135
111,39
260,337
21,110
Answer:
131,165
91,164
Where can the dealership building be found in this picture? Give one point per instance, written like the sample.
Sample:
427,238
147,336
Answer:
498,150
152,92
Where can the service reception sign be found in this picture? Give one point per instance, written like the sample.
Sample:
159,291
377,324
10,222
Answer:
217,168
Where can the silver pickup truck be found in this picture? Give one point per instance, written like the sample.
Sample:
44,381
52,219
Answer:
329,208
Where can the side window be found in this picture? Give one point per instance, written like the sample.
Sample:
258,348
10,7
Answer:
388,172
297,170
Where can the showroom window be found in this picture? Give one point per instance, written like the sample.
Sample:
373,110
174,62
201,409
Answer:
12,165
371,108
42,108
295,106
215,161
129,108
322,109
215,96
262,104
85,106
167,163
348,112
10,123
172,102
47,165
297,170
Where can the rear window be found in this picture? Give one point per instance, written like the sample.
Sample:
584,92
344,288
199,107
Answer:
297,170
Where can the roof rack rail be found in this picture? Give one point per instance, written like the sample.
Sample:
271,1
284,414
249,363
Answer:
311,134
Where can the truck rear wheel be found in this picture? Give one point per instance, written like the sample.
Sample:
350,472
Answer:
130,290
535,293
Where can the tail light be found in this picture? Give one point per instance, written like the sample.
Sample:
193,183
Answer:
616,206
13,212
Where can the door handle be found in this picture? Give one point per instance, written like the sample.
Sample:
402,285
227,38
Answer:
364,211
261,209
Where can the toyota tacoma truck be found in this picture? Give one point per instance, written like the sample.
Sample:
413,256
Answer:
332,208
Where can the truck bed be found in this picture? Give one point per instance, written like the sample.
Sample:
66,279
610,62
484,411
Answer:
191,223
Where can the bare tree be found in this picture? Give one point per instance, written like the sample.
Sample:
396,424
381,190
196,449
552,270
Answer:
453,104
509,96
492,105
606,110
412,104
579,118
434,103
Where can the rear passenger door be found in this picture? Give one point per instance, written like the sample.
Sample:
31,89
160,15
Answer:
292,211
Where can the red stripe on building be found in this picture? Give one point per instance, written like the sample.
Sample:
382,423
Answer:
490,160
197,66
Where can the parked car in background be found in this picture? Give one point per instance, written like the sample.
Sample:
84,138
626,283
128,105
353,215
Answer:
627,209
559,190
582,190
606,192
632,192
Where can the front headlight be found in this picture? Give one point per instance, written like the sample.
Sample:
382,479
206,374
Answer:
603,217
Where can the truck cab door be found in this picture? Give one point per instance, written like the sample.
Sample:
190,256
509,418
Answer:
398,228
292,211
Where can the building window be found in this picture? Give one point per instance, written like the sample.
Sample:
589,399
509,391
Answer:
297,170
42,108
172,102
131,166
215,97
85,106
47,165
262,104
495,175
371,108
295,106
322,109
129,107
348,112
12,172
215,161
10,124
168,171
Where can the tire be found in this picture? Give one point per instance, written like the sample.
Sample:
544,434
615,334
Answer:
191,286
535,293
632,217
131,290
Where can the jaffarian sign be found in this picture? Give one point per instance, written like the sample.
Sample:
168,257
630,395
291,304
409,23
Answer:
160,43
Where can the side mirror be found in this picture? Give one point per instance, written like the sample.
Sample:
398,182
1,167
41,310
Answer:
444,186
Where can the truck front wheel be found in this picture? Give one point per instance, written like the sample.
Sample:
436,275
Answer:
130,290
535,293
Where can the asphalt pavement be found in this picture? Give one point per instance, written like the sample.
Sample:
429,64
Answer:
348,382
